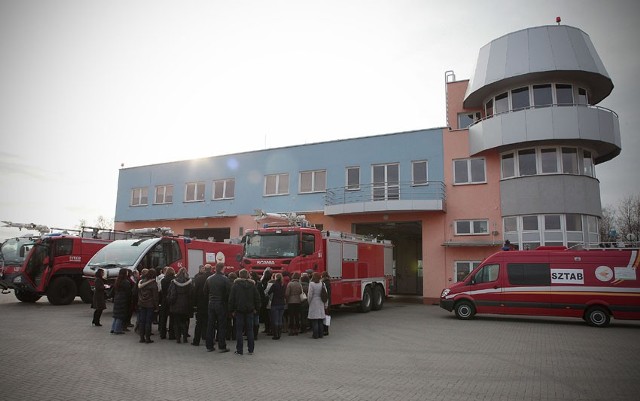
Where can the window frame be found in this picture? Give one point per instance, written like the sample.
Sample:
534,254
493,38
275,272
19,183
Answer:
165,188
314,181
472,227
225,189
137,196
199,194
278,178
469,163
349,186
470,264
413,173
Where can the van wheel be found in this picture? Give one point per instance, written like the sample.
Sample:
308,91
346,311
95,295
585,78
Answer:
26,296
85,292
377,298
597,316
62,291
365,304
464,310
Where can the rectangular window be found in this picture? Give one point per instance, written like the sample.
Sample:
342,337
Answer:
569,161
469,171
386,182
276,184
419,170
529,274
224,189
542,95
529,223
520,98
582,96
587,164
313,181
194,192
502,103
139,196
508,165
564,95
549,160
527,162
510,224
574,222
487,274
466,119
463,268
353,178
472,227
488,108
164,194
552,222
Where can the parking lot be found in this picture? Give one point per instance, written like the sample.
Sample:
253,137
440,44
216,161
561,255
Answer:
406,351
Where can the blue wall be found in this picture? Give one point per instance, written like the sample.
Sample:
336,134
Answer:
248,169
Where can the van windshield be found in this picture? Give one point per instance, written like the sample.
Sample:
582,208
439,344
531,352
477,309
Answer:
121,253
15,250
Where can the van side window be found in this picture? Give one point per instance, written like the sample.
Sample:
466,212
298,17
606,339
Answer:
487,274
529,273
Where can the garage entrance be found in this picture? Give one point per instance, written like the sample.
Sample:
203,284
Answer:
407,252
218,234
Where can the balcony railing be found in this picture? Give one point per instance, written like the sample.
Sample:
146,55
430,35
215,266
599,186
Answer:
386,196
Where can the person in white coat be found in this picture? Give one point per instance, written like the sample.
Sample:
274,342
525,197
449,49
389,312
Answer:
316,305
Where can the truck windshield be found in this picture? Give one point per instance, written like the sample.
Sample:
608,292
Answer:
272,245
15,250
121,253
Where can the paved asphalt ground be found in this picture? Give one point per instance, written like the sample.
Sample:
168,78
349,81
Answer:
406,351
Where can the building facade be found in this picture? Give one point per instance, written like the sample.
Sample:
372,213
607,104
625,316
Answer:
516,161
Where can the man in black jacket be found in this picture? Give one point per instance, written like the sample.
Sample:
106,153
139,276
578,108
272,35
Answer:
202,305
216,289
244,301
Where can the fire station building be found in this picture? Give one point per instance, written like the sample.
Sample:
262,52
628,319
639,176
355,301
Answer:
516,162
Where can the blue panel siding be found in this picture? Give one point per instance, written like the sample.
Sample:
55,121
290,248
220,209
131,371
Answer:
248,169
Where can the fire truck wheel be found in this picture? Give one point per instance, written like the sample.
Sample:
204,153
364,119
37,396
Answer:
85,292
377,298
464,310
24,296
597,316
62,291
365,304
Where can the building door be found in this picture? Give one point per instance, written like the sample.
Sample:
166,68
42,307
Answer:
386,182
407,252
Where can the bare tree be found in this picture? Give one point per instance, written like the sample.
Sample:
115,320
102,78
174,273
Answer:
105,223
608,224
628,218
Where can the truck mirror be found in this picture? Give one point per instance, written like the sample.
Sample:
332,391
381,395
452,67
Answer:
238,257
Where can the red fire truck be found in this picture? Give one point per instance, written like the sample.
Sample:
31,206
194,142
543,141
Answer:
360,268
592,284
160,251
50,263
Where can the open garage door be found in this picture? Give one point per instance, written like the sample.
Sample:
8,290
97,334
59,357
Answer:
407,252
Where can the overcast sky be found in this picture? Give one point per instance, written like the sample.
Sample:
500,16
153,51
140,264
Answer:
88,85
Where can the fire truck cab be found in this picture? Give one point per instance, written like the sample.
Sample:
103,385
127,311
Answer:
592,284
360,268
50,263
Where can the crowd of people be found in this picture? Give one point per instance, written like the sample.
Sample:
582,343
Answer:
226,307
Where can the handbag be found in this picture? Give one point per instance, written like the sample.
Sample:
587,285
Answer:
303,296
327,320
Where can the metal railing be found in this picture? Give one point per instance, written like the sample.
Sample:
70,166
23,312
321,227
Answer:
385,191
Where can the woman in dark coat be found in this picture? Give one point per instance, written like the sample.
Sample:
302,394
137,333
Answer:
277,306
181,303
99,303
121,302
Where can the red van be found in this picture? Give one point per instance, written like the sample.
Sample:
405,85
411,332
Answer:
592,284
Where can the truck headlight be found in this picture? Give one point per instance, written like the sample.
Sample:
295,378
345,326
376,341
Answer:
445,292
